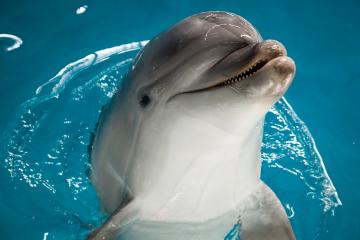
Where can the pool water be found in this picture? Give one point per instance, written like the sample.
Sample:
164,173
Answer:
47,159
46,121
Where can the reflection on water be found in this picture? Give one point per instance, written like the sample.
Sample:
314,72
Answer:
46,155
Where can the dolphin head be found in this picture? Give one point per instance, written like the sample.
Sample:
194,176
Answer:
198,91
217,56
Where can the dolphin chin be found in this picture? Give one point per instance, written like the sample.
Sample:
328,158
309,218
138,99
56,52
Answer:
179,144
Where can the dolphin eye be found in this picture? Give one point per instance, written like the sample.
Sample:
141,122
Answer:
144,100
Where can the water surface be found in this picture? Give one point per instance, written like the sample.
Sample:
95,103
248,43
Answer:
47,160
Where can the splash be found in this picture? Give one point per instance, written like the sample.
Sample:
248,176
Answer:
81,9
46,157
287,138
17,41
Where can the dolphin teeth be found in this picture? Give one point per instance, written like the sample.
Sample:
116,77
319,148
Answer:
247,73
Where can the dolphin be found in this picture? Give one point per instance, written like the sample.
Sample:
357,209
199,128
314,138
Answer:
176,153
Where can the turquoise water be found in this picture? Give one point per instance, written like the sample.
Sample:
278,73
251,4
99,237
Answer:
45,192
46,155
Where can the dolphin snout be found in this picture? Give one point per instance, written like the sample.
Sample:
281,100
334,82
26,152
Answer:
271,49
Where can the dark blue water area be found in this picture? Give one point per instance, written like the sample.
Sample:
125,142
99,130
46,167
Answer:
321,36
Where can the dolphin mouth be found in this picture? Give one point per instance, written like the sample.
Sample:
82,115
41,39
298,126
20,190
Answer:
244,74
267,52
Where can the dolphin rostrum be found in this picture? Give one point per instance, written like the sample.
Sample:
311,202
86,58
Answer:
176,153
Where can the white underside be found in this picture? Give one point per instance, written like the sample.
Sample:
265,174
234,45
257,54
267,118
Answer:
197,172
258,216
185,164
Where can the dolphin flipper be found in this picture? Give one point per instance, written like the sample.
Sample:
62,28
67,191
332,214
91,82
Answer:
117,222
263,217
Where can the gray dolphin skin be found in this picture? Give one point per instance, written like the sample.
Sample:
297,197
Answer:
176,154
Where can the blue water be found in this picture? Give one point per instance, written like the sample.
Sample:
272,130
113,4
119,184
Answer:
45,193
